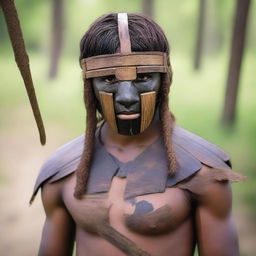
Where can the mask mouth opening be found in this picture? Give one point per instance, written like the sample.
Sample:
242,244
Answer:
128,127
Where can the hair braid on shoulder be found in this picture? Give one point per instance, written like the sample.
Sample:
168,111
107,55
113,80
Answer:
82,172
167,120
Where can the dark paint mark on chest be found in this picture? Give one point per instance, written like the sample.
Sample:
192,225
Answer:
143,207
151,223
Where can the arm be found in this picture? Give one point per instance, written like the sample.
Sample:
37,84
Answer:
59,229
215,229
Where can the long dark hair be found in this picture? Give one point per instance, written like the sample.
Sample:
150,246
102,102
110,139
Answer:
102,38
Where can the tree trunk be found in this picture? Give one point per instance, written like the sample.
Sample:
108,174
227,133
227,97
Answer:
148,7
57,36
200,34
237,50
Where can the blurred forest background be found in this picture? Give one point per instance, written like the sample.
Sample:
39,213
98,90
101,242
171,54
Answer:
197,99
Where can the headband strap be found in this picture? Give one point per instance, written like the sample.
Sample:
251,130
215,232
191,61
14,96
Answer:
124,66
123,60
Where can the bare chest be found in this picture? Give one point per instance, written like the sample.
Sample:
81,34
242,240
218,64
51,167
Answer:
151,214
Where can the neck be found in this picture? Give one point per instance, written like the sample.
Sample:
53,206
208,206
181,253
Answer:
110,137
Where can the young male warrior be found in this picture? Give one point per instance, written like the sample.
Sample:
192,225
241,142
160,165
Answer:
135,184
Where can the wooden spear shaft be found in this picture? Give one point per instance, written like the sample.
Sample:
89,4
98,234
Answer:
22,60
120,241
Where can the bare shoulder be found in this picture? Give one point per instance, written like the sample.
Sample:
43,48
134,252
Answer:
51,194
210,189
211,186
216,196
212,180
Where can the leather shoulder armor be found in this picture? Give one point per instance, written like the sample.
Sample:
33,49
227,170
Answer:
61,163
191,152
208,154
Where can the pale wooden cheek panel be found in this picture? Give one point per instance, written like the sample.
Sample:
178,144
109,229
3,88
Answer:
107,104
148,102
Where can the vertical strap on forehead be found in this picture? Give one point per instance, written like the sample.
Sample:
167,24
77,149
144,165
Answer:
123,32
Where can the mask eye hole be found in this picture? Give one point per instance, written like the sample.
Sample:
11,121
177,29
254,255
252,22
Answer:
110,79
142,77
